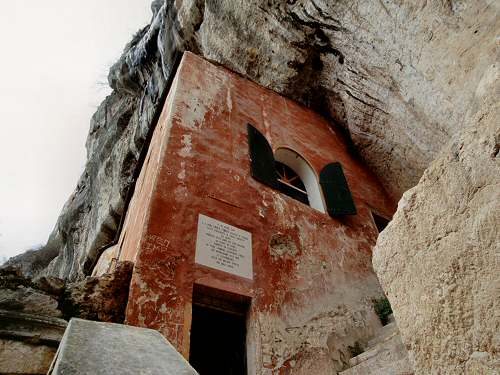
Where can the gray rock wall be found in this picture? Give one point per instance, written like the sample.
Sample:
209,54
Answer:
438,258
399,76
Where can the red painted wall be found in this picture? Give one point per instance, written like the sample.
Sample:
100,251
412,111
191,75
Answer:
198,162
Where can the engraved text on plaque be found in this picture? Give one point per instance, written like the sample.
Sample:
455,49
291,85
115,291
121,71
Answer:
224,247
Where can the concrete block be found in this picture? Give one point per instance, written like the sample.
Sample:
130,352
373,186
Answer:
106,348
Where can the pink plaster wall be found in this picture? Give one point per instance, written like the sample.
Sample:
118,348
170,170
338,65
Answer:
315,299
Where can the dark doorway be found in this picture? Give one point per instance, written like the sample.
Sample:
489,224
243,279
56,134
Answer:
218,335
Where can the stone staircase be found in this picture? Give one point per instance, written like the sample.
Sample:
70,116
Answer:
385,355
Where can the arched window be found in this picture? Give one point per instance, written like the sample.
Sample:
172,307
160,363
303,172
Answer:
290,183
287,171
288,176
299,175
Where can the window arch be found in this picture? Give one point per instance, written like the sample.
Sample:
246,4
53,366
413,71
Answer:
289,183
336,198
305,178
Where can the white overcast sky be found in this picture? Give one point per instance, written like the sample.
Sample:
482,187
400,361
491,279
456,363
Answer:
54,59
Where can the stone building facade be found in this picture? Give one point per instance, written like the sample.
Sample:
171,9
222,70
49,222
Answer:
274,262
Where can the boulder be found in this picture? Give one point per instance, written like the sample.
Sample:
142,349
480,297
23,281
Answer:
101,298
438,258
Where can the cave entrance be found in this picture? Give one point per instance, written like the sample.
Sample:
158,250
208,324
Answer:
218,332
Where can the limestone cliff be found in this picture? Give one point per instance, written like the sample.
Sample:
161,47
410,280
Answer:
438,258
399,76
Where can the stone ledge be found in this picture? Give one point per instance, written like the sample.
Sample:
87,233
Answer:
31,328
97,348
34,318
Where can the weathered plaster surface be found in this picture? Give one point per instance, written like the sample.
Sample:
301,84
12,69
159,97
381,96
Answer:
313,283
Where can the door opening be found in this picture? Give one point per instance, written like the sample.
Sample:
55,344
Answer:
218,333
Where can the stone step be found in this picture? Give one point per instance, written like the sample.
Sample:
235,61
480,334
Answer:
388,340
367,354
385,358
397,367
386,332
391,343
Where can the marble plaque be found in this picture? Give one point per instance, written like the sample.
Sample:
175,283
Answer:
224,247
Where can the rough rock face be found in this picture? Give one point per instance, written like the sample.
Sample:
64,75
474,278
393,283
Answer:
101,298
34,261
438,258
20,294
30,311
28,342
398,75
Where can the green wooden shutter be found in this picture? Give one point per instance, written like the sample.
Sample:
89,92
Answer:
261,158
336,191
